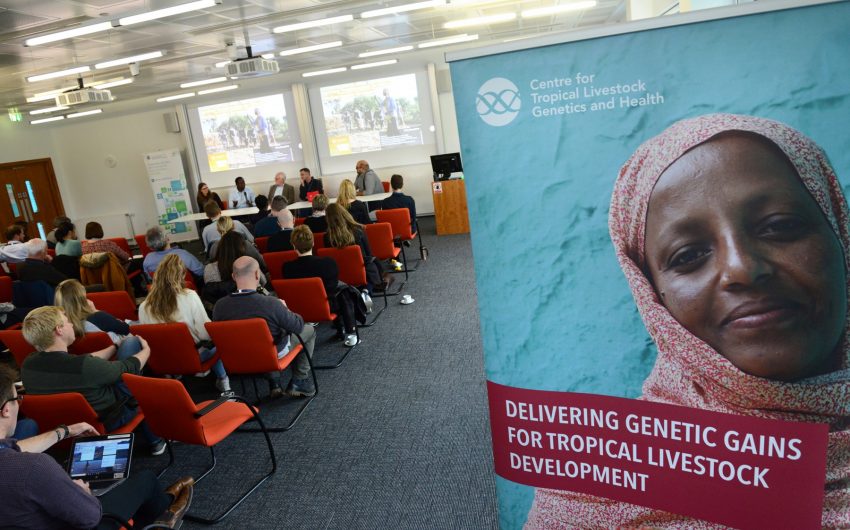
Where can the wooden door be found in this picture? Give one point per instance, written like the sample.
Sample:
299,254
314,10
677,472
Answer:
29,195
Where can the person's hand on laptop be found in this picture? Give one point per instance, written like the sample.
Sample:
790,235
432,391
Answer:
83,485
82,429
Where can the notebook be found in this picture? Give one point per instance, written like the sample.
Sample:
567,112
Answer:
102,461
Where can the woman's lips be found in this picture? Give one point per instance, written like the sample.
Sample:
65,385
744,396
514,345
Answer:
762,314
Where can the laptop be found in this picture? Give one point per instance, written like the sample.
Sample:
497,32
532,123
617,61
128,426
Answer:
102,461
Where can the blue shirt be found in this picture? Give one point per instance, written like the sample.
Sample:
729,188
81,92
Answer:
153,259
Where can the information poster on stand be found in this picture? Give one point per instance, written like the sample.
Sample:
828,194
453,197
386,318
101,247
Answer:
168,181
664,295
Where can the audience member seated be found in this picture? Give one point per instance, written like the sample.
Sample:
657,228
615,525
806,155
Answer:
240,195
263,206
309,185
160,246
211,234
246,302
225,225
400,200
66,240
39,494
280,240
37,267
348,199
344,231
218,280
170,301
14,251
268,225
51,370
309,266
281,189
86,318
317,221
51,236
95,243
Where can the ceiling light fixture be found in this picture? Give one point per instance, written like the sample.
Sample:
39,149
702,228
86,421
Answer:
373,65
128,60
218,89
480,21
110,84
175,96
84,113
554,10
222,64
313,48
60,73
46,120
313,24
324,72
69,33
167,12
385,52
448,40
402,8
46,110
204,82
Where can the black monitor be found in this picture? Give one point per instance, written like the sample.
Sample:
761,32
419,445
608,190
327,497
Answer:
444,165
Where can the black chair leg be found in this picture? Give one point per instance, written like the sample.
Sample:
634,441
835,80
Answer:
376,315
170,459
341,359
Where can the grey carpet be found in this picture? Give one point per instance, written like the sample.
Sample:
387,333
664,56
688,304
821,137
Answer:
398,436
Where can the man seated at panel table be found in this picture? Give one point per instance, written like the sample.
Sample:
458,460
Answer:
280,240
309,185
240,195
400,200
367,181
37,266
281,188
246,303
37,493
52,370
210,234
160,246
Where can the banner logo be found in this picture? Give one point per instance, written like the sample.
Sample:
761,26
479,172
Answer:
498,102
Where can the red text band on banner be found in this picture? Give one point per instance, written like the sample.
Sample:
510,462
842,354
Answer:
733,470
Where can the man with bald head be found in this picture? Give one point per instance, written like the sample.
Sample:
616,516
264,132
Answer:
281,188
367,181
246,303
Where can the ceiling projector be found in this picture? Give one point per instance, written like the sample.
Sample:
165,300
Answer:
80,96
252,67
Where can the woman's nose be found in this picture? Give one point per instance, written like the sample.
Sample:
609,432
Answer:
742,263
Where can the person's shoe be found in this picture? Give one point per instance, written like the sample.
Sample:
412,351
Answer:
301,388
183,490
158,448
178,485
202,374
275,391
340,335
351,340
223,384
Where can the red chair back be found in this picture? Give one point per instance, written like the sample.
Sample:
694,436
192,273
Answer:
173,349
169,411
5,288
14,340
300,221
90,342
245,346
50,410
116,303
122,244
143,245
51,252
305,296
386,186
275,261
399,218
350,262
319,240
380,236
262,244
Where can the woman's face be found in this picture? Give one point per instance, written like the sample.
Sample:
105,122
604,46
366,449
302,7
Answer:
742,257
205,191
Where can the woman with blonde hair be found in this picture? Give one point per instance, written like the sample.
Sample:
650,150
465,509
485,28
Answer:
85,318
348,199
343,231
170,301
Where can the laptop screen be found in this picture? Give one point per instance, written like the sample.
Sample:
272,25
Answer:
101,457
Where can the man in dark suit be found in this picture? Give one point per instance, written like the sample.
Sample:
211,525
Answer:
37,267
400,200
309,184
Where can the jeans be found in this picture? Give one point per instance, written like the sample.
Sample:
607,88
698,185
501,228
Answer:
300,365
128,347
140,498
218,367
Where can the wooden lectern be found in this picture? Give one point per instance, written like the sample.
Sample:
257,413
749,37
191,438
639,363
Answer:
450,207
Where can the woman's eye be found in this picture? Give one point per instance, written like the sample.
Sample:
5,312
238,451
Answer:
782,227
688,257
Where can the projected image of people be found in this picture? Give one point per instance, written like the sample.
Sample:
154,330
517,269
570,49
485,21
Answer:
732,232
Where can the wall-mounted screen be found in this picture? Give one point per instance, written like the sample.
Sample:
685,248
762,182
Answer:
372,115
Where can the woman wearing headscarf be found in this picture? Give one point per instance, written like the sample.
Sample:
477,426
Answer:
732,232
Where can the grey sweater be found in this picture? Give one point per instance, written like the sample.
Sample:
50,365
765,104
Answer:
250,304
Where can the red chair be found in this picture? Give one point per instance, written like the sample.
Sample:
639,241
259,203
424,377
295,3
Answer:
173,349
116,303
143,245
50,410
90,342
14,340
275,260
51,252
399,218
386,186
352,270
318,240
307,297
246,347
300,221
122,244
380,236
262,244
171,413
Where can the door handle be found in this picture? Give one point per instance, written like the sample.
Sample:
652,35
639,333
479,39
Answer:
23,204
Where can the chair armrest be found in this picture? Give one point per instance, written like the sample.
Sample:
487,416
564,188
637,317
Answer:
212,406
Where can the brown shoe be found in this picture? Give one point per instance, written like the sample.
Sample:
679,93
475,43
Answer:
175,489
173,516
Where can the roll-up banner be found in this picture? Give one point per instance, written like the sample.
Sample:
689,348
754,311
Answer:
168,182
661,241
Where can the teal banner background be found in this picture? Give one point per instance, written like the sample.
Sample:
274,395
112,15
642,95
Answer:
556,313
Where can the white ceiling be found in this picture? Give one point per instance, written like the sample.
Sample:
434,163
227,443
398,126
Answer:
194,42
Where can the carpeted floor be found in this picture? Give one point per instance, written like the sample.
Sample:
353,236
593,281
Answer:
398,436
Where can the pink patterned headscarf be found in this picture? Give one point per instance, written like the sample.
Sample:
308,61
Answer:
688,371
